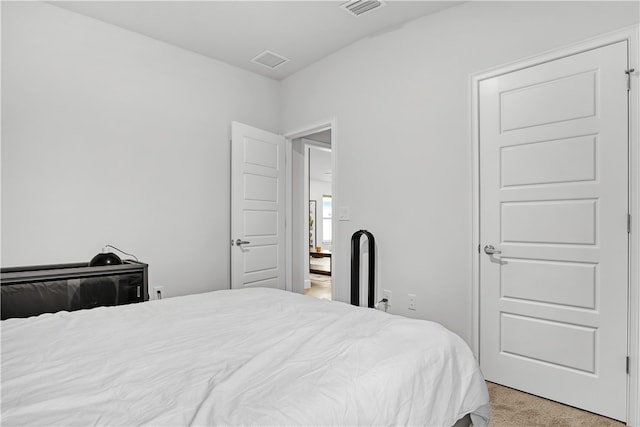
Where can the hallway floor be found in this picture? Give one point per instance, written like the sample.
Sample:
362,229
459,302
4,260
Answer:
320,286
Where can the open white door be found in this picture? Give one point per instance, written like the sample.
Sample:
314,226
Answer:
257,208
553,227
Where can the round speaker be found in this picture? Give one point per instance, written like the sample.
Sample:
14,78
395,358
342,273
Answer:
108,258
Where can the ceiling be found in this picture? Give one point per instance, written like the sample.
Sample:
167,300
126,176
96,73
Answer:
235,32
320,168
320,165
322,136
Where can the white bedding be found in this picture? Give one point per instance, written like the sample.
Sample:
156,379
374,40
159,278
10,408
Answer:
241,357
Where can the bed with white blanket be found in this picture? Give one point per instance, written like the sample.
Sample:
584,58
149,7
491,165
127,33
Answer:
236,357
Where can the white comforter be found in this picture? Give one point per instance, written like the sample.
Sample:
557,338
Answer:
241,357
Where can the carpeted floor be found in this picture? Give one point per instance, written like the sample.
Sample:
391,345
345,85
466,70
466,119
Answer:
512,408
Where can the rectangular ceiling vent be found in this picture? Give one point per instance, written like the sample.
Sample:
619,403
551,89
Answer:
270,59
360,7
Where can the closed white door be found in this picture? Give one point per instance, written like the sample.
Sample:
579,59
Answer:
554,186
257,208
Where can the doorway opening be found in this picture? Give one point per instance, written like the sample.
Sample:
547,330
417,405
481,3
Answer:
312,205
318,181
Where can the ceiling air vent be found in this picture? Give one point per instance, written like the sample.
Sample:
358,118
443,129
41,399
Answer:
270,60
360,7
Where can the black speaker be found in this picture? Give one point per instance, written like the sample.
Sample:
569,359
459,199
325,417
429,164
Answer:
108,258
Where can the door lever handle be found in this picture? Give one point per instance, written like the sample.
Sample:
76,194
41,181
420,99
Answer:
490,250
240,242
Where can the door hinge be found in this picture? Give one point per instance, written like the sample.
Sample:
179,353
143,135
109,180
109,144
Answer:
628,73
628,362
628,223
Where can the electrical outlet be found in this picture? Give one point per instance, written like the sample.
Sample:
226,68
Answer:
412,302
157,292
387,294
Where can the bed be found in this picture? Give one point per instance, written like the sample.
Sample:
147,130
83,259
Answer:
237,357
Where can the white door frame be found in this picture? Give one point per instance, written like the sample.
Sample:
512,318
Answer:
629,34
290,233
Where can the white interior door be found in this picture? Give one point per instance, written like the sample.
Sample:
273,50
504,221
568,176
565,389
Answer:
257,208
553,201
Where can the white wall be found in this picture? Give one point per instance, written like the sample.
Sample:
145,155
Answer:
317,189
402,106
112,137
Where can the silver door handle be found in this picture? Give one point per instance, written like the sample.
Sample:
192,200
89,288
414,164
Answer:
240,242
490,250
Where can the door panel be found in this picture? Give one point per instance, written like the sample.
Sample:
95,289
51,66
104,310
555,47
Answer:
263,188
564,283
257,207
260,223
552,222
535,339
544,162
557,100
553,200
260,259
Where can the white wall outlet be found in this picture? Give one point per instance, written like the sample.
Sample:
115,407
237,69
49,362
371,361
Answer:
412,302
157,292
386,293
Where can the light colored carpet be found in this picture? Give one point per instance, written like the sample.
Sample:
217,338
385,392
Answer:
513,408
